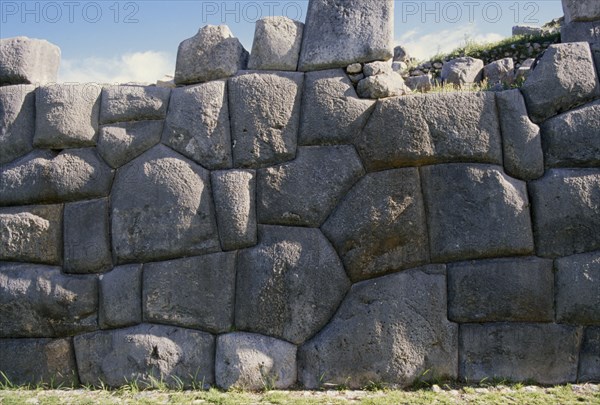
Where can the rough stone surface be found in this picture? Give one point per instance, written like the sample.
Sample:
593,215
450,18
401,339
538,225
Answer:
401,54
392,329
420,83
145,352
584,32
515,290
213,53
377,68
162,208
289,285
581,10
120,143
566,212
526,30
133,103
17,121
578,289
462,71
265,116
305,191
66,115
500,71
121,297
39,301
475,211
380,225
431,128
31,234
382,86
198,124
196,292
544,353
589,357
341,32
28,61
253,362
277,42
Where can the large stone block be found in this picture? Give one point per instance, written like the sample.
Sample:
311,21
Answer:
432,128
305,191
39,301
277,42
584,32
589,357
17,121
133,103
581,10
162,208
500,72
475,211
391,329
121,297
544,353
31,234
566,213
196,292
28,61
120,143
341,32
289,285
265,116
578,289
380,227
145,353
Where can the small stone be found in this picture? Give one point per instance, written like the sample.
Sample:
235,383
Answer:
420,83
120,143
382,86
438,65
526,30
399,67
133,103
500,71
277,42
377,68
417,72
401,54
356,78
28,61
121,297
167,82
17,121
354,68
462,71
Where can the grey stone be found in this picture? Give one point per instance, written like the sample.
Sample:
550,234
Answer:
515,290
305,191
356,78
353,69
584,32
401,54
462,71
420,83
341,32
254,362
39,301
581,10
544,353
389,330
235,203
133,103
38,361
28,61
382,86
578,289
589,363
45,177
566,213
213,53
167,82
564,78
121,297
277,42
475,211
526,30
86,237
332,113
289,285
501,71
196,292
162,208
17,121
198,124
431,128
265,116
380,226
377,68
522,143
120,143
145,353
66,115
572,139
399,67
31,234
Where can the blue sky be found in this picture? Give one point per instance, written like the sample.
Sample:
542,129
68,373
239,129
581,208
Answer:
120,41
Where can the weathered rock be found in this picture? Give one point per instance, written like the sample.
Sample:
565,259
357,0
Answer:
500,72
584,32
265,116
401,54
133,103
377,68
566,213
39,301
522,143
431,128
167,82
143,353
390,330
162,208
578,289
475,211
581,10
341,32
198,124
382,86
332,113
120,143
66,115
254,362
380,226
28,61
420,83
305,191
544,353
515,290
589,357
564,78
352,69
17,121
121,297
31,234
276,46
526,30
196,292
213,53
462,71
289,285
